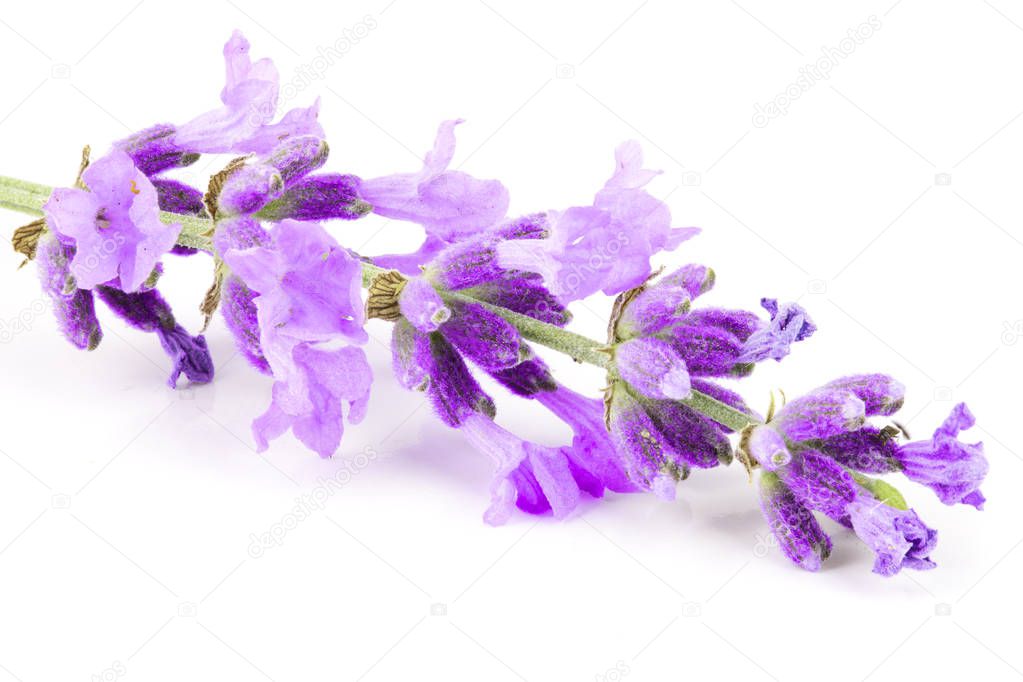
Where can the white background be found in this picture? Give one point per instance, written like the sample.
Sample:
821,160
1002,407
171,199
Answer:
126,509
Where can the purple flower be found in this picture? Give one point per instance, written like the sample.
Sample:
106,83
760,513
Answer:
534,477
147,311
449,204
789,324
659,441
115,226
74,308
606,246
799,535
250,100
898,537
323,196
431,343
537,478
309,310
238,301
952,469
710,342
654,368
815,446
421,305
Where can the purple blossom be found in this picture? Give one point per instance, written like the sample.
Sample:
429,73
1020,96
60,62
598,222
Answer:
428,362
250,100
237,300
534,477
605,246
789,324
115,226
816,443
952,469
74,308
324,196
654,368
421,305
309,310
799,535
147,311
898,537
712,342
449,204
659,441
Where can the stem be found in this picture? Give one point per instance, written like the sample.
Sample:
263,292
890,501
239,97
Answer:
29,197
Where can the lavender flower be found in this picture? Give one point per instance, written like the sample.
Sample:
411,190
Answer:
74,308
815,446
309,311
449,204
250,99
606,246
952,469
661,349
147,311
115,226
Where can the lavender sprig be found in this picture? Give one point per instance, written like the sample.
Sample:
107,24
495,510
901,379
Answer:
480,290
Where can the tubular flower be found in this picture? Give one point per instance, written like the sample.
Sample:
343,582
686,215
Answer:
605,246
115,225
309,313
814,452
661,350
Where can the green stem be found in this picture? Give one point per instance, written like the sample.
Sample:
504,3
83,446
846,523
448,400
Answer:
29,197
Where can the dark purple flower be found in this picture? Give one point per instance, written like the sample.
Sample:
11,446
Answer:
659,441
798,533
74,308
711,342
154,150
324,196
147,311
177,197
428,362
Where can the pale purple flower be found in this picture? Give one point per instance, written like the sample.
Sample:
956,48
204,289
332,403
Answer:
653,367
898,537
115,226
421,305
789,324
449,204
952,469
529,475
310,311
250,100
605,246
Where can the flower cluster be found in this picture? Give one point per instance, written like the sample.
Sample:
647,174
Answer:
476,299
